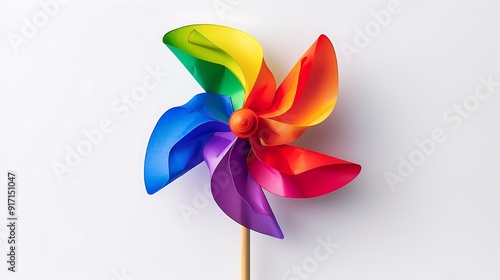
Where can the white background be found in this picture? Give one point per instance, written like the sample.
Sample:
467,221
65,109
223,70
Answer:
442,222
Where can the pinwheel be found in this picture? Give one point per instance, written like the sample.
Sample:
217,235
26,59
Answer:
242,125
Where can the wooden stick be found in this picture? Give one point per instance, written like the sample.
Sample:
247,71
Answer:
245,254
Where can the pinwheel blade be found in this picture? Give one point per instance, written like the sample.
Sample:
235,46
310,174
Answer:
216,148
238,195
297,172
306,96
177,141
223,60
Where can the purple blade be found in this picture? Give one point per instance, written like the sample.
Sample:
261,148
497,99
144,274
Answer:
216,148
235,191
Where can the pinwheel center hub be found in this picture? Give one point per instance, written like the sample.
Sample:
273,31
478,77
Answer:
243,122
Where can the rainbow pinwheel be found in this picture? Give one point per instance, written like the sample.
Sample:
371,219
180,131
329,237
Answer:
242,125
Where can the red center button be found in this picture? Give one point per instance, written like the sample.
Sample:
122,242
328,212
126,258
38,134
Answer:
243,122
